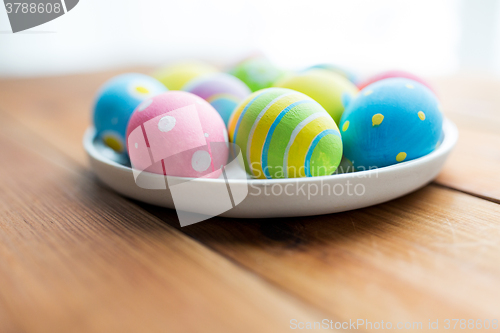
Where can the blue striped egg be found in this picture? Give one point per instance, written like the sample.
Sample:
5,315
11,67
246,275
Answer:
283,133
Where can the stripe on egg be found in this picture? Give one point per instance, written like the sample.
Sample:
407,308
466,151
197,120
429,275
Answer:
296,158
248,118
295,132
314,143
261,126
267,141
282,134
242,114
225,96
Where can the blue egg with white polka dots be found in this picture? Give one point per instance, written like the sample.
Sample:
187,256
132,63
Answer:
115,102
390,121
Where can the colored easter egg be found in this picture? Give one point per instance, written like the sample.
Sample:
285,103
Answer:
339,70
178,134
390,121
257,73
223,91
345,166
115,102
175,76
327,88
283,133
393,74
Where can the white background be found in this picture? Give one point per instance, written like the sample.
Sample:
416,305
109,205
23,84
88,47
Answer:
428,37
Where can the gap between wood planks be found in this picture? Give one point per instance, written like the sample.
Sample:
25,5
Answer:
477,195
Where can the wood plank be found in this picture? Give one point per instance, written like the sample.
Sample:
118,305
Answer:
473,104
57,108
76,257
474,165
432,254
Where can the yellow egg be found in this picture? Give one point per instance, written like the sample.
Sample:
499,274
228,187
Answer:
176,76
327,88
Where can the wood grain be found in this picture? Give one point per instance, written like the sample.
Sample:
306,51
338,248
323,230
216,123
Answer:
432,254
76,257
57,108
473,104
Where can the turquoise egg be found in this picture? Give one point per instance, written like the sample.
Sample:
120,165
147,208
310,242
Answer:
390,121
115,102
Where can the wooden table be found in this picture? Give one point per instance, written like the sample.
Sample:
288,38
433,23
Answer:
76,257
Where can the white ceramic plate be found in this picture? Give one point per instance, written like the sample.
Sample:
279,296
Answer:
283,197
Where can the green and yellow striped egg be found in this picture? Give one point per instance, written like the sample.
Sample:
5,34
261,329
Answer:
283,133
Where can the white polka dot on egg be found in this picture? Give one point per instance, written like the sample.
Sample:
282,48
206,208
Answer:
166,124
201,160
144,105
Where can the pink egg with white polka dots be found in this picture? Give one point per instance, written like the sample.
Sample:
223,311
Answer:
177,134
